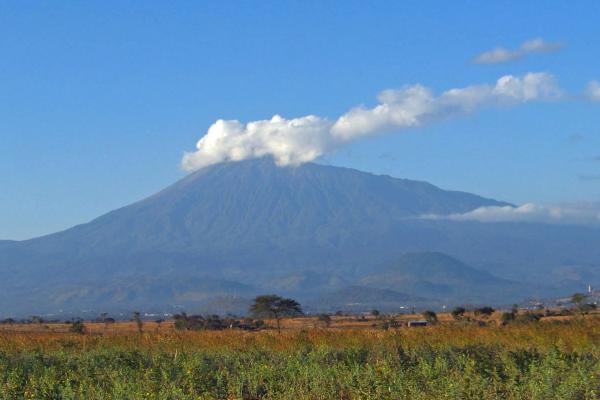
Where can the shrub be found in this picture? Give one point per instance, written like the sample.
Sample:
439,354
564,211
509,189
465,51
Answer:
325,318
458,313
430,316
77,326
485,311
529,317
507,317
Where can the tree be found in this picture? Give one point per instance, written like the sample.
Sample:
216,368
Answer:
529,317
485,311
458,313
137,317
325,318
515,309
430,316
375,313
77,327
586,308
158,322
507,317
182,321
276,307
578,298
104,319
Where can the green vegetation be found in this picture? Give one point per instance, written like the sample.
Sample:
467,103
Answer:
536,360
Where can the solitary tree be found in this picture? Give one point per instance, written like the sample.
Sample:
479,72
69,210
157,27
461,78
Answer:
273,306
138,321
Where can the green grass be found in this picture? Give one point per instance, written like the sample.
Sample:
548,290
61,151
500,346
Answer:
308,365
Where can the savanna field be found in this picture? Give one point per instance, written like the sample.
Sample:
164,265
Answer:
553,359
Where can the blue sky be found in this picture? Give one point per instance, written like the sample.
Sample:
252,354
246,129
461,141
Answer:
100,100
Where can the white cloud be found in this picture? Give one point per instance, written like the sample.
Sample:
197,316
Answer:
580,214
414,106
288,141
299,140
592,91
502,55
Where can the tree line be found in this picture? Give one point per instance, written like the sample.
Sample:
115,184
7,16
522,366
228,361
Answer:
276,308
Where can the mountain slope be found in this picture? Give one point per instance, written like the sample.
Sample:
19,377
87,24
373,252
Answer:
303,231
437,275
233,202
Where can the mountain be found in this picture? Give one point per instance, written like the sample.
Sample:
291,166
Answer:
251,227
437,275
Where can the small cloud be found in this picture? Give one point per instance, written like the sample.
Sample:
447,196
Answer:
538,45
576,137
497,56
502,55
388,156
592,91
589,177
568,214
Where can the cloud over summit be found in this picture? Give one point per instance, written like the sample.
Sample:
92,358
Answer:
299,140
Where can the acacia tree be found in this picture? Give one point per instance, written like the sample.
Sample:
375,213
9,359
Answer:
273,306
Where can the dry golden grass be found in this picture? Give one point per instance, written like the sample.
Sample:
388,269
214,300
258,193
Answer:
577,333
337,323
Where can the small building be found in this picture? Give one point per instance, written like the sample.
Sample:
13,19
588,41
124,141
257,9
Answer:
418,322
